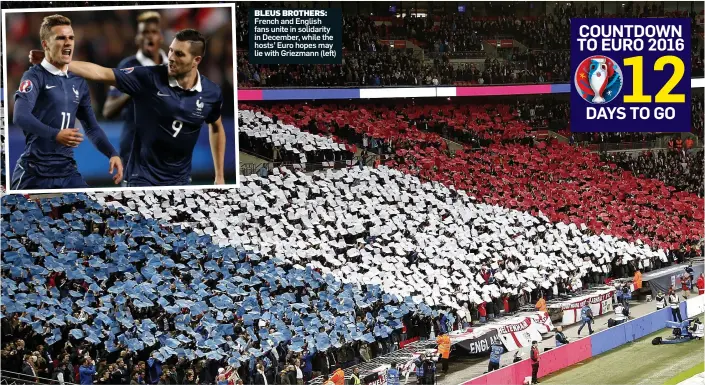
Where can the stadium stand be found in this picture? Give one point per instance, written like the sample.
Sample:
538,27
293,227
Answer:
382,68
147,278
680,169
283,143
354,122
498,175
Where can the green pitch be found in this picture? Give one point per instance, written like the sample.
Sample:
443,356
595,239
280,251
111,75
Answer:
682,376
636,363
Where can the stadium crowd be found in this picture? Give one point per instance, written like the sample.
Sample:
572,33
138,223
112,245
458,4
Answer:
377,68
497,173
109,293
287,144
124,279
680,169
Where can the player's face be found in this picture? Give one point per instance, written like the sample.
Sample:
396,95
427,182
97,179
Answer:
149,38
60,45
181,60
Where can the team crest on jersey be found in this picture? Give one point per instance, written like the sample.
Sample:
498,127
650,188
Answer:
127,70
26,86
199,105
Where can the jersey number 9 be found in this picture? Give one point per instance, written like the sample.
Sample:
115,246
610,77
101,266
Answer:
177,125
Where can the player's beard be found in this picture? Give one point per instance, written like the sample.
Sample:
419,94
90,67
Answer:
180,72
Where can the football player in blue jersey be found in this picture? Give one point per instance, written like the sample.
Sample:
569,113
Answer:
47,103
171,104
149,41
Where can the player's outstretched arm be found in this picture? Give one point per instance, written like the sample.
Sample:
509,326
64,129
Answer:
90,71
216,134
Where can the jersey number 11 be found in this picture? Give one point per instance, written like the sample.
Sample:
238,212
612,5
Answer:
65,120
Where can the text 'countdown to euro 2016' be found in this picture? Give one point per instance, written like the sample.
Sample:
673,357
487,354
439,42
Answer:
630,75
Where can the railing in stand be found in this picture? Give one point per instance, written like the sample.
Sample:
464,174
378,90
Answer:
9,377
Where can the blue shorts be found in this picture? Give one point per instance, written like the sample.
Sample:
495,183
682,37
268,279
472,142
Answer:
22,179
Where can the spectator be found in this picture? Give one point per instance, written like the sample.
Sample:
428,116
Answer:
154,370
541,304
28,368
637,280
355,377
444,350
87,371
495,355
517,357
393,375
561,339
661,301
260,378
674,303
586,318
535,357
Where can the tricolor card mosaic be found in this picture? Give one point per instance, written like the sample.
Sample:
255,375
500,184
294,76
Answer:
630,75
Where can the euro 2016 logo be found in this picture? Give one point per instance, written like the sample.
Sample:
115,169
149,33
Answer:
598,79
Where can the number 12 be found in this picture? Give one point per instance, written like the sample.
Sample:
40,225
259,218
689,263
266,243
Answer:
664,95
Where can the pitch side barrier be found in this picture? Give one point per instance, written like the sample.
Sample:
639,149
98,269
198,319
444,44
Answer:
408,92
587,347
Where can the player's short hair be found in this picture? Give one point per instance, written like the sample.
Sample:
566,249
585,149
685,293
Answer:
149,17
50,22
197,40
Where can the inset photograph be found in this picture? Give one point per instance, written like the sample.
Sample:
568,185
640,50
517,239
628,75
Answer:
119,97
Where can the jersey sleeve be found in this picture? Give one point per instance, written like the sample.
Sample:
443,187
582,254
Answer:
29,88
113,91
133,80
215,111
25,100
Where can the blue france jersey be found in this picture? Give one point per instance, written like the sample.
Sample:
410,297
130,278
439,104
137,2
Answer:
56,101
168,120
